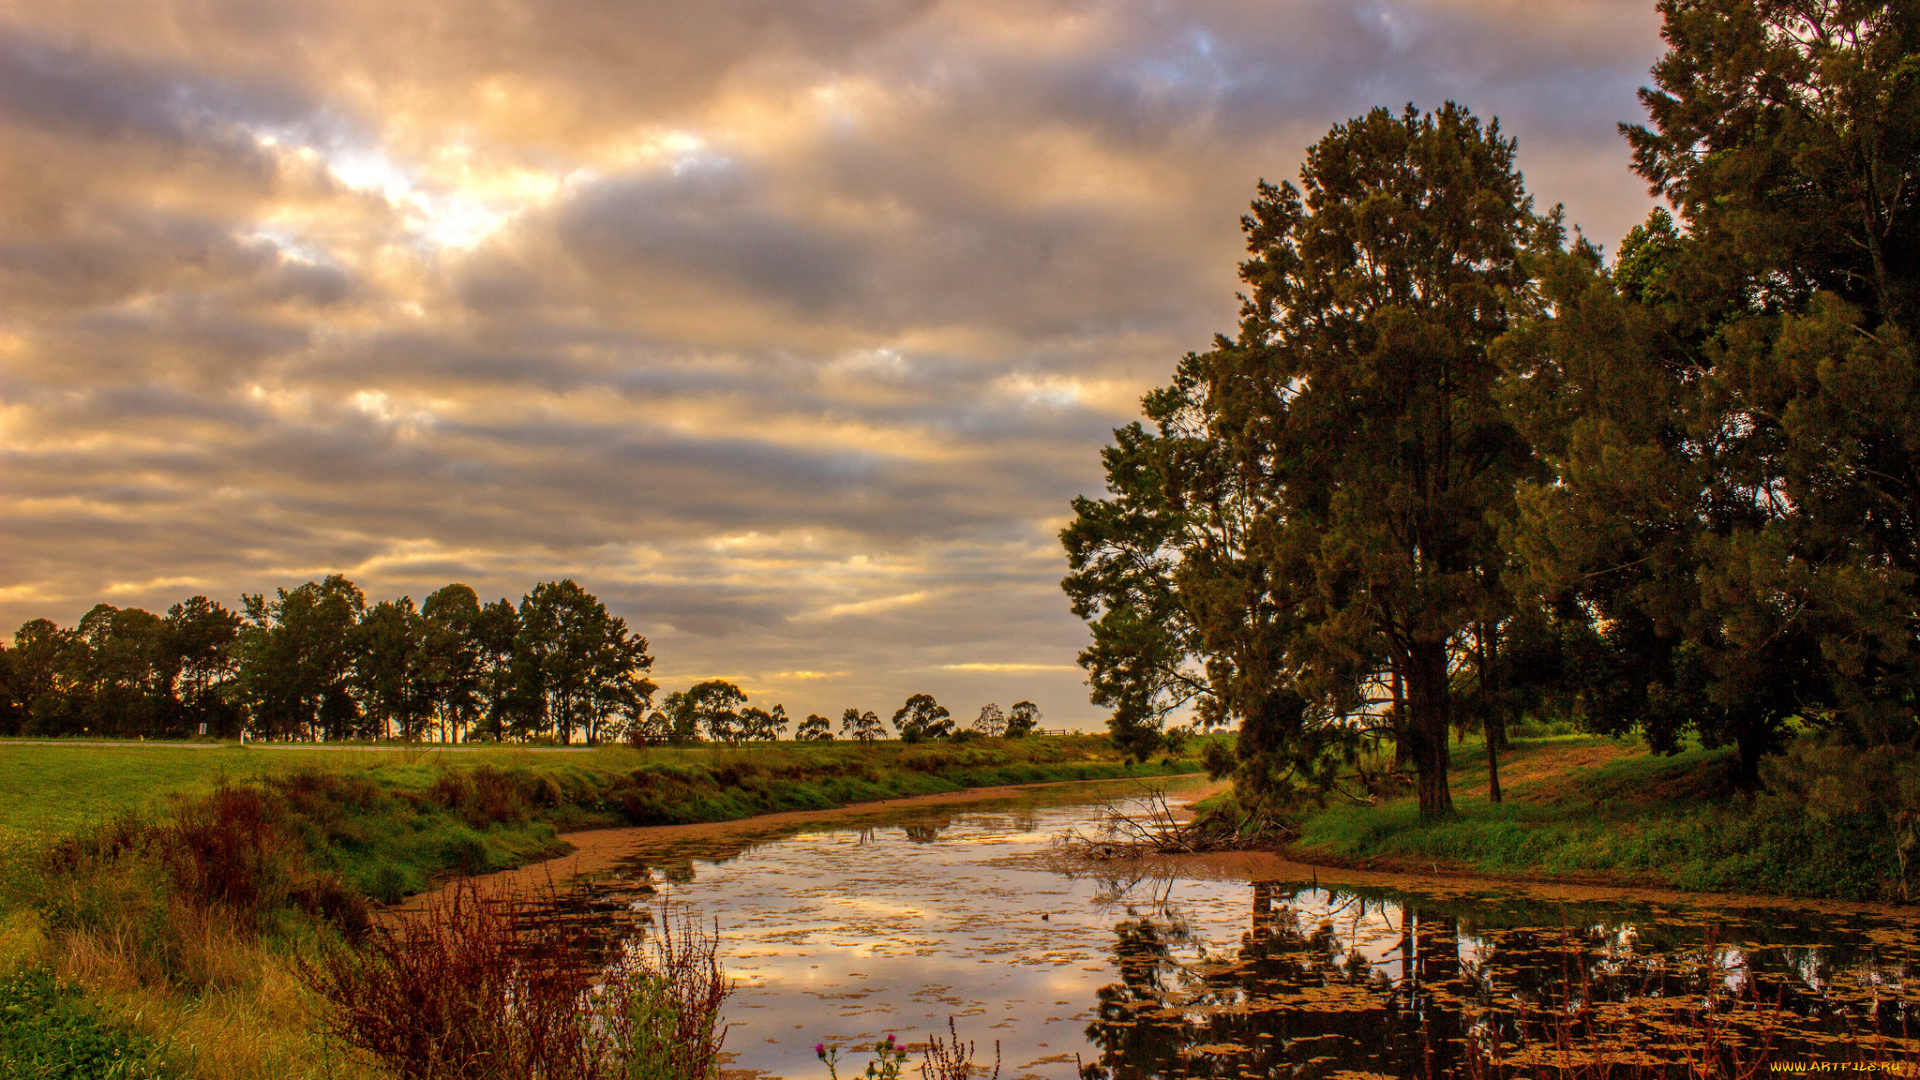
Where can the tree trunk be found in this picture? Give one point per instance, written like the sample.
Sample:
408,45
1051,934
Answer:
1493,728
1427,702
1402,744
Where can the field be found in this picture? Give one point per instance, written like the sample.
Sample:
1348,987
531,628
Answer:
181,890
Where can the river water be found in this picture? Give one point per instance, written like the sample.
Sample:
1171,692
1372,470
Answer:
867,922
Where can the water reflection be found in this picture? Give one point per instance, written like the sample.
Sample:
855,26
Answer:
890,922
1327,982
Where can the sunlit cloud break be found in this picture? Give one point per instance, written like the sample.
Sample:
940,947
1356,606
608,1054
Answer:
788,330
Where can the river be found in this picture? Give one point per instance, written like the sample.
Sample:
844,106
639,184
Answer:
848,926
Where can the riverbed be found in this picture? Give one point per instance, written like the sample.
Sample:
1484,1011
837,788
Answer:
845,927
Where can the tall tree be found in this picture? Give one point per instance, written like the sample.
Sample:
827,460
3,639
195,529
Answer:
41,679
1022,719
575,663
815,728
1328,481
494,632
1787,135
991,720
390,670
453,657
296,665
201,637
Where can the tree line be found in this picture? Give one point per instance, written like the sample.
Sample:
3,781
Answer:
319,662
1455,469
717,709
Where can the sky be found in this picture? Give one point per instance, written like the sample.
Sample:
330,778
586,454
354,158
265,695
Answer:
788,329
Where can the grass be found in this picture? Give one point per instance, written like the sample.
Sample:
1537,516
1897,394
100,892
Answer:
1587,808
180,889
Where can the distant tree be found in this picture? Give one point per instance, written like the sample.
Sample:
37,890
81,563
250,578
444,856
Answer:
494,632
452,653
991,720
120,657
922,718
756,724
575,664
675,719
296,666
1023,719
861,726
717,708
778,721
201,636
12,711
815,728
391,672
41,683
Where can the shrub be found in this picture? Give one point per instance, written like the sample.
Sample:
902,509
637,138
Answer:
463,992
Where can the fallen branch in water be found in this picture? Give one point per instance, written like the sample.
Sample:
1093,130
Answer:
1154,829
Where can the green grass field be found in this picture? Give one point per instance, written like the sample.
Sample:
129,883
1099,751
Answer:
53,788
1590,808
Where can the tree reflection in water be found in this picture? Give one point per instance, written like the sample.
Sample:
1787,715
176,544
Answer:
1330,984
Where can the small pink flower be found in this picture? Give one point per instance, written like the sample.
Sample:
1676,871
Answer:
820,1049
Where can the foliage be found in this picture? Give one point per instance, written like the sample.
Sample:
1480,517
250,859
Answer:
860,726
1022,719
465,990
576,665
991,721
815,728
1316,505
1732,532
316,662
922,718
47,1029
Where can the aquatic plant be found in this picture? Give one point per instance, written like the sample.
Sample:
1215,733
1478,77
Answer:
942,1061
888,1056
953,1060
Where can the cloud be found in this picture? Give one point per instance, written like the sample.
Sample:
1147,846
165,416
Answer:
788,329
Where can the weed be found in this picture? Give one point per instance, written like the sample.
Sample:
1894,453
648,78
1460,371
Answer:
466,992
47,1029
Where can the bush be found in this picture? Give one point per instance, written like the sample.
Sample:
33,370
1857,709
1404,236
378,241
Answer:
461,993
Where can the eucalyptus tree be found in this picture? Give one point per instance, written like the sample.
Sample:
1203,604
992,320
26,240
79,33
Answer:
674,719
922,718
391,671
1022,719
861,726
716,706
494,632
991,720
815,728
